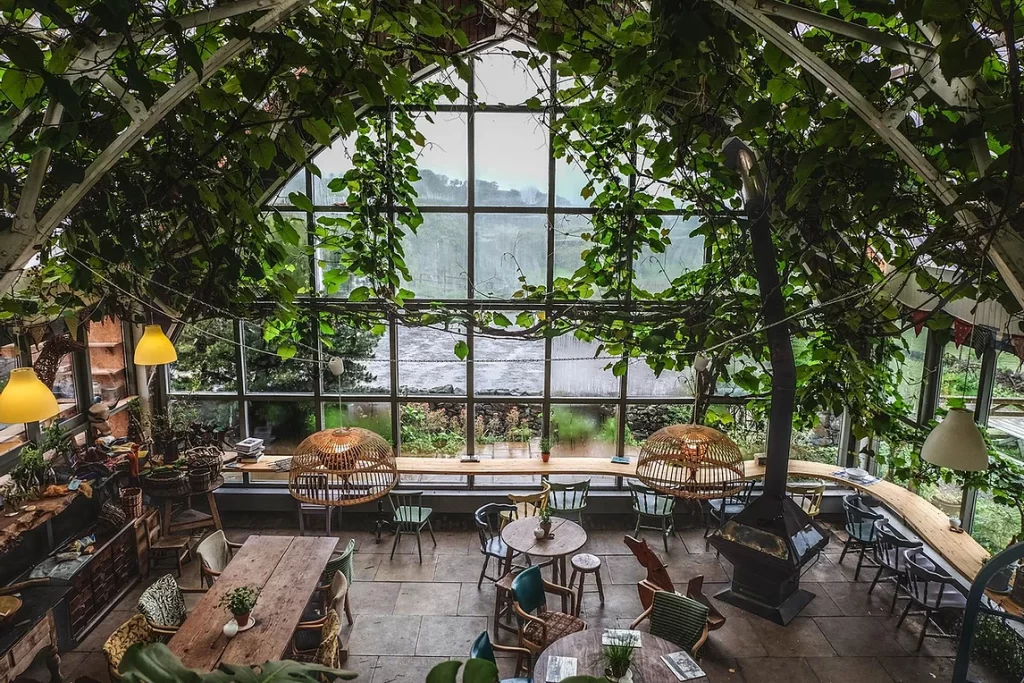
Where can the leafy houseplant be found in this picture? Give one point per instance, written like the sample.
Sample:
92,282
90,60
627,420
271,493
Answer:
617,658
545,449
240,602
544,528
32,471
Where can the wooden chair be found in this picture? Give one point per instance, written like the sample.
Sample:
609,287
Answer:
410,518
161,547
135,630
340,562
890,546
310,633
808,495
329,651
526,505
721,510
488,527
539,627
163,605
653,505
568,500
313,486
678,619
214,554
860,529
932,589
483,648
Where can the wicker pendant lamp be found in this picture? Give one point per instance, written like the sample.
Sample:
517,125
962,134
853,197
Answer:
340,467
691,461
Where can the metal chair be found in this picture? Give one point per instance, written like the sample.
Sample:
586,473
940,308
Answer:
860,529
214,554
932,589
568,500
309,634
721,510
488,527
889,548
340,563
313,486
539,627
483,648
678,619
410,518
657,506
808,495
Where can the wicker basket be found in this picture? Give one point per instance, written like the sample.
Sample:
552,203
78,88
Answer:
210,457
131,502
166,483
200,478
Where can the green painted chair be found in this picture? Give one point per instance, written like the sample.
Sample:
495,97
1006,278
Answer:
483,648
648,503
410,518
538,626
568,500
677,619
339,562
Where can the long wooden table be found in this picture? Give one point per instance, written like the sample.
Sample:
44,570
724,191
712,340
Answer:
287,570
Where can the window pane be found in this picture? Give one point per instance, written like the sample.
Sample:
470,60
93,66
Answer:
333,162
749,431
570,179
511,160
583,375
63,383
334,270
297,183
508,430
217,415
281,424
569,248
266,372
819,443
449,77
366,357
644,420
655,272
443,162
641,381
373,416
206,358
437,256
423,365
912,370
289,229
106,360
508,373
961,370
503,78
583,431
509,246
433,429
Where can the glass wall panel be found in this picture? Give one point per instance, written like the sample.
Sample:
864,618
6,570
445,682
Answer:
373,416
366,357
508,430
437,256
748,430
297,183
641,381
433,429
511,160
579,373
281,424
504,78
642,420
267,372
206,358
912,369
107,361
508,367
335,276
655,272
583,431
334,162
221,415
289,228
509,247
443,163
63,383
423,361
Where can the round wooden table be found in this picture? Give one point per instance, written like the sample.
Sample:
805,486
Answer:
566,538
585,646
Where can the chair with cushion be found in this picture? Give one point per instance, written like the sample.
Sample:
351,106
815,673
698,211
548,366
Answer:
163,604
648,503
539,627
678,619
808,495
307,637
721,510
860,529
483,648
932,589
339,562
568,500
328,651
135,630
890,545
214,554
410,518
488,527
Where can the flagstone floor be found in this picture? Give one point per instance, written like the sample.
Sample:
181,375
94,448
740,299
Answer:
410,616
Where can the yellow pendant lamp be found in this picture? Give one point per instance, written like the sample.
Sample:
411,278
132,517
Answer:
26,399
154,348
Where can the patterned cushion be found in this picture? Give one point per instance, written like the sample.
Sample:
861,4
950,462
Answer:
163,603
135,630
678,619
559,625
328,654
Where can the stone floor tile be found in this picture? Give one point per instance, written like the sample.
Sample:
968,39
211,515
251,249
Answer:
907,636
403,669
822,570
623,569
855,601
462,568
373,597
93,665
682,568
801,638
476,602
364,665
789,669
822,605
448,636
405,568
619,602
736,638
918,669
695,542
606,543
849,670
384,635
860,636
428,598
724,670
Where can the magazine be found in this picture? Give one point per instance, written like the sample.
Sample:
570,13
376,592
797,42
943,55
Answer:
559,668
621,636
683,666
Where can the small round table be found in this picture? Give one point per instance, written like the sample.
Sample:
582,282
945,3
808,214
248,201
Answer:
585,646
566,538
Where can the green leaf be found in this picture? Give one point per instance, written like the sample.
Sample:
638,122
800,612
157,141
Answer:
445,672
461,350
286,350
549,40
479,671
300,201
359,294
20,86
319,129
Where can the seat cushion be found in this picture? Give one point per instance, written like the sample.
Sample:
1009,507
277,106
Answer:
559,625
162,603
412,515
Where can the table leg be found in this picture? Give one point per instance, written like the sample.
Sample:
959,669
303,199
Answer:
211,500
53,664
560,563
168,509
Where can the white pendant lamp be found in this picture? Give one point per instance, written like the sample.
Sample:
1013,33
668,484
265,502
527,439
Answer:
956,443
26,399
154,348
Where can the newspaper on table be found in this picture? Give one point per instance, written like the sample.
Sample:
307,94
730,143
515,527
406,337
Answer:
683,666
559,668
621,636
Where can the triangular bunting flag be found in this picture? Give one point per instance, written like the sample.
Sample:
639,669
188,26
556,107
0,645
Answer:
981,339
1018,346
961,331
919,318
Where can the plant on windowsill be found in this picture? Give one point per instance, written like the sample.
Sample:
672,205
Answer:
240,603
618,656
545,449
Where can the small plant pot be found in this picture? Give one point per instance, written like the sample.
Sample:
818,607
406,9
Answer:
613,678
546,528
1000,583
544,457
243,619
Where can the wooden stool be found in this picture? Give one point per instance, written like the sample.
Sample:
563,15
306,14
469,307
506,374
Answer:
503,604
584,564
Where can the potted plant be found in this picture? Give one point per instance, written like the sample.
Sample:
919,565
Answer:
240,602
618,656
543,529
545,449
32,472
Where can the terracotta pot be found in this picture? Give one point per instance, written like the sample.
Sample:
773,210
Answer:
544,457
546,528
243,619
